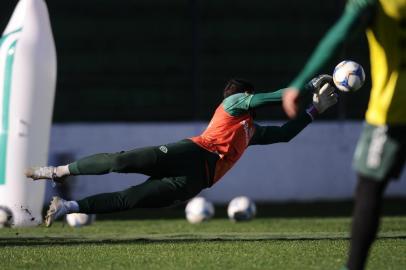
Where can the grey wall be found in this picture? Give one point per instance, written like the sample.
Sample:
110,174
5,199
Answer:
316,165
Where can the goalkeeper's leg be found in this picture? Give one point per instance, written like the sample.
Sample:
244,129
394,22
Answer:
153,193
139,160
181,158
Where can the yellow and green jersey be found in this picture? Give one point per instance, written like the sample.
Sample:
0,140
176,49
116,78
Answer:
385,24
387,45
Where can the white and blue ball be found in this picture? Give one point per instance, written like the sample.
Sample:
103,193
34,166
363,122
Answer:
241,208
198,210
77,220
348,76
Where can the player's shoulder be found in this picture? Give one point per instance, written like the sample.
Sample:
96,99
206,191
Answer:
232,100
237,103
360,4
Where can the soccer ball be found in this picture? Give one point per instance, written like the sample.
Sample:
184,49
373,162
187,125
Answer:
198,210
6,217
241,209
348,76
78,220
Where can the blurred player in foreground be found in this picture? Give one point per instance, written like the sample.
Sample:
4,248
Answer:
380,153
179,171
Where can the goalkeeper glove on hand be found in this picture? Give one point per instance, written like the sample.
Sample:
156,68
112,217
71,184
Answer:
324,98
316,83
324,95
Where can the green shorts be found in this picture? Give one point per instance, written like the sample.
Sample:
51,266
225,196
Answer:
381,151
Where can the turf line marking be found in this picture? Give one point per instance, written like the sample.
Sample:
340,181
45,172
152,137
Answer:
66,241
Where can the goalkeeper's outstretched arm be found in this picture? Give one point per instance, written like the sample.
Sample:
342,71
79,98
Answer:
261,99
324,97
286,132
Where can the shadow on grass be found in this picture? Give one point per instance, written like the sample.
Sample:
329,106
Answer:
67,241
391,207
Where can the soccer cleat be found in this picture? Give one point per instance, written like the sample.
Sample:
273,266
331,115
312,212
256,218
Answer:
37,173
41,172
57,209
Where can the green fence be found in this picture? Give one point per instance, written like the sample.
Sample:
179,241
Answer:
143,60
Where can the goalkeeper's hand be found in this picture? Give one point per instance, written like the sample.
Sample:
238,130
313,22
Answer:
324,95
317,82
324,98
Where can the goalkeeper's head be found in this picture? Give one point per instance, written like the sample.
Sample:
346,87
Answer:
235,86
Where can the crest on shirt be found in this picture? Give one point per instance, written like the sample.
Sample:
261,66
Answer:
163,148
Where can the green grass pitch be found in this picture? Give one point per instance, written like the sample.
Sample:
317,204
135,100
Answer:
265,243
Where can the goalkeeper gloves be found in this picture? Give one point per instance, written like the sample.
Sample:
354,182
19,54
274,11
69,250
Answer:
324,95
316,83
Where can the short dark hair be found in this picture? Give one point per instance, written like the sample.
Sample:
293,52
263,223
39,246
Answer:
235,86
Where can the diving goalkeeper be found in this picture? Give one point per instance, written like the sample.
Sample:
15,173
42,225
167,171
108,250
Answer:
179,171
